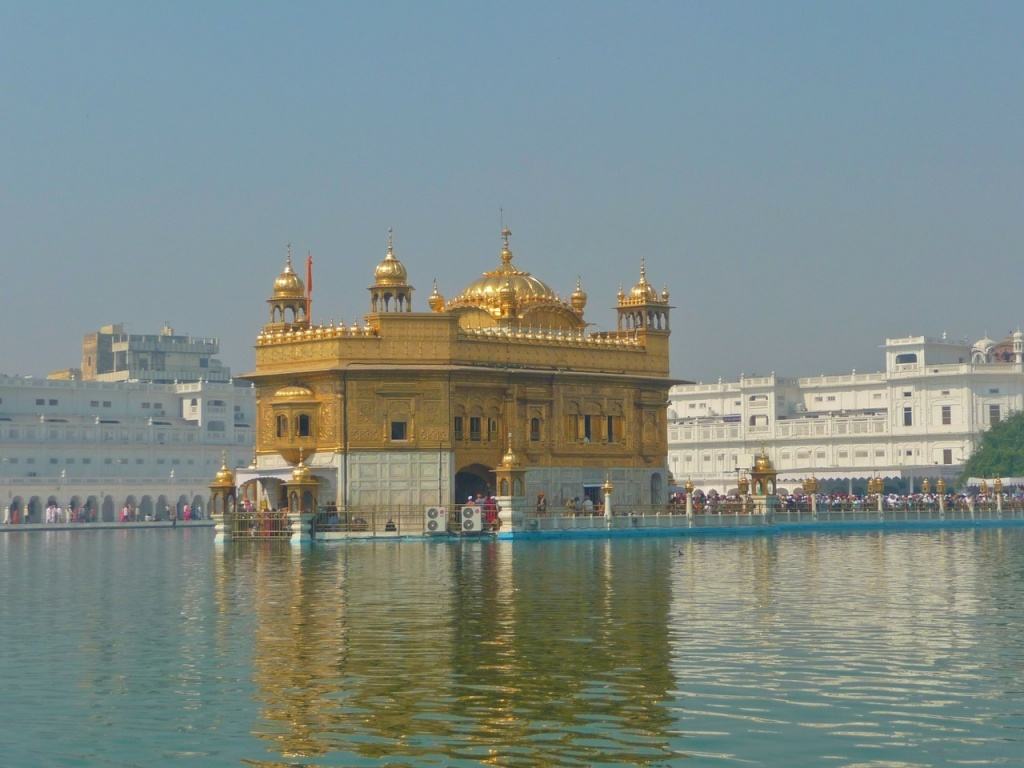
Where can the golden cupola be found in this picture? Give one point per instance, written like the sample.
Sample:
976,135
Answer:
762,463
390,291
642,308
435,301
578,299
511,295
288,285
289,304
643,290
390,271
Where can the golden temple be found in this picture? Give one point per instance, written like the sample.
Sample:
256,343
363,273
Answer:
412,408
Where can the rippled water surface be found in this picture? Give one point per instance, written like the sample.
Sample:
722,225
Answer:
139,648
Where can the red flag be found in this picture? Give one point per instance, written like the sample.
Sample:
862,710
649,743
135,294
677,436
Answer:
309,282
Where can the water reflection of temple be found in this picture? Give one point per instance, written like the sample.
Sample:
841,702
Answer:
461,651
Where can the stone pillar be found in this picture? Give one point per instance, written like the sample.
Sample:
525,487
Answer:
221,531
299,522
997,486
689,497
510,512
607,489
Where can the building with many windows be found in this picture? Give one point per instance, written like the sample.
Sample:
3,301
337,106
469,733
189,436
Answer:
103,445
111,354
920,417
414,408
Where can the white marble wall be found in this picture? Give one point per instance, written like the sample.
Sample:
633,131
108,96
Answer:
398,478
632,486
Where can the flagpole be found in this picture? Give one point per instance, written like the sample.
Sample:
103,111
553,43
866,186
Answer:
309,286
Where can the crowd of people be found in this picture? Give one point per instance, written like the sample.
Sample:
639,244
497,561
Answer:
56,514
712,502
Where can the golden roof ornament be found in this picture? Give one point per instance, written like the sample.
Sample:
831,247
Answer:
643,290
997,486
435,301
811,484
762,463
301,473
578,299
288,285
224,477
509,460
390,272
689,486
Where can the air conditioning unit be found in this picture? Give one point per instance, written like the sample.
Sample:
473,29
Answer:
471,519
435,520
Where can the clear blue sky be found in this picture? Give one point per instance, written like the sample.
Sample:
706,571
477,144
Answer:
806,177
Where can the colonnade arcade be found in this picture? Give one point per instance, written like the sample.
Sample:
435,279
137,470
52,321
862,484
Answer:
104,507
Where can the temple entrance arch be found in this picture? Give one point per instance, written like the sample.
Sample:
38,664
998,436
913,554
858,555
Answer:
107,510
473,479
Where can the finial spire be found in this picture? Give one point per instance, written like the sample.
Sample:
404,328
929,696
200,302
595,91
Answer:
288,259
391,243
506,251
643,270
224,459
300,455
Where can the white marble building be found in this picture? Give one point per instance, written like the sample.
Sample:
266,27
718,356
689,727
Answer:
920,417
105,444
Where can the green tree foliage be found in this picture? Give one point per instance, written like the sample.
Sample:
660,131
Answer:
1001,452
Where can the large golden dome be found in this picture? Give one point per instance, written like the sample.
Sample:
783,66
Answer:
507,283
288,285
390,271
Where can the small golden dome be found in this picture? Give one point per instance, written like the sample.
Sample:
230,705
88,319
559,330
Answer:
664,294
689,486
621,295
510,459
643,290
224,478
435,301
811,484
578,299
390,272
762,463
301,473
293,392
288,285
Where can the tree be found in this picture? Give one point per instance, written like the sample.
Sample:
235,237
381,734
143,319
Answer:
1001,452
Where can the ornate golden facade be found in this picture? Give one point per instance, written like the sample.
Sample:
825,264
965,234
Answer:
415,407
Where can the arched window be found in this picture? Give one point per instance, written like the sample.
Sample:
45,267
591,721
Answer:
302,425
282,426
534,429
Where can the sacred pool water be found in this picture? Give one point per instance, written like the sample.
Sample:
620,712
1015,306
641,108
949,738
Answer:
139,648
